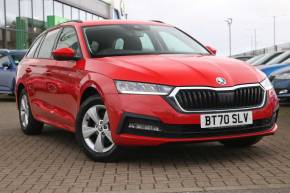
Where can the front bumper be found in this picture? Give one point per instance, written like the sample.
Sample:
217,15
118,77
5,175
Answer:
175,126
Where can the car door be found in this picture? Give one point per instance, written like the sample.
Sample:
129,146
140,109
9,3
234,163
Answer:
37,70
63,78
7,74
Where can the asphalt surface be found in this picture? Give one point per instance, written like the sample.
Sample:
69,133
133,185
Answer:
52,162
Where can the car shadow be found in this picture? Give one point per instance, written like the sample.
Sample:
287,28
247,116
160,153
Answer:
178,153
7,98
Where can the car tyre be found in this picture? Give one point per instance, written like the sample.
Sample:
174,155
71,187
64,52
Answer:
241,142
93,131
29,125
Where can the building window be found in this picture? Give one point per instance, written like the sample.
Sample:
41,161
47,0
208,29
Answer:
83,15
67,12
89,16
12,11
48,11
10,39
25,8
38,10
95,17
2,21
116,14
58,9
2,31
75,13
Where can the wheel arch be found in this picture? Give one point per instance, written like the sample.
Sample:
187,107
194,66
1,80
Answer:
18,90
88,90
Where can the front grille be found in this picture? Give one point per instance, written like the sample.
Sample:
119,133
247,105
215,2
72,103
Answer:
210,99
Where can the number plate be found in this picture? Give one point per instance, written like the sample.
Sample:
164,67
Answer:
226,119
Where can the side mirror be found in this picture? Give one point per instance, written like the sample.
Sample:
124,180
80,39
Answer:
6,65
64,54
211,50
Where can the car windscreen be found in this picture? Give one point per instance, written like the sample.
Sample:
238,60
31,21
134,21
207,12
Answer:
287,61
17,57
251,60
118,40
266,58
279,59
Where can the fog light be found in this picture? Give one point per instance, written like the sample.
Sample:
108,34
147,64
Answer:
284,91
141,126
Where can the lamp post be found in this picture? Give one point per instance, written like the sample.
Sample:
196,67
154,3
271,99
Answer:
229,21
274,33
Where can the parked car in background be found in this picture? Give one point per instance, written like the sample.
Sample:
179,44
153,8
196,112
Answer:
255,58
280,62
281,82
243,58
9,60
281,58
266,58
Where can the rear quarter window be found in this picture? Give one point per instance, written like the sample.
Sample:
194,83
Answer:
34,47
48,44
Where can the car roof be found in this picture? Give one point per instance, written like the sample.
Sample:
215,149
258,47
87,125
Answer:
7,51
113,22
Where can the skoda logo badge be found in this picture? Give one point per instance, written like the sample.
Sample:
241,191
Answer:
221,81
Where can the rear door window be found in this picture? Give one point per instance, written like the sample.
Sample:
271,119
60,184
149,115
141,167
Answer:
48,44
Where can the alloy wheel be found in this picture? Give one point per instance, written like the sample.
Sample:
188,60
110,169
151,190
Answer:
96,130
24,111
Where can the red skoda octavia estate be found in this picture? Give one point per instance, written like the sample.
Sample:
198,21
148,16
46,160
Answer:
133,83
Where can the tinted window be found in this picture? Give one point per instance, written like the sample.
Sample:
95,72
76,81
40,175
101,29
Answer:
68,39
47,45
33,48
4,59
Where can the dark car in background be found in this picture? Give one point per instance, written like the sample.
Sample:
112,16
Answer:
9,60
281,82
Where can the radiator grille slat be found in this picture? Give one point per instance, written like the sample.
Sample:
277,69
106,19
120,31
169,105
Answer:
207,99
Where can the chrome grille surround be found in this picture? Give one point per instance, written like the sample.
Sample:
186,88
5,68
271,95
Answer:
174,92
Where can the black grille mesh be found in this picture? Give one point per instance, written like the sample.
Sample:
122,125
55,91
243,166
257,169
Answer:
206,99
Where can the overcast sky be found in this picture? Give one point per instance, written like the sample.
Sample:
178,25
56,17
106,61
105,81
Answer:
204,20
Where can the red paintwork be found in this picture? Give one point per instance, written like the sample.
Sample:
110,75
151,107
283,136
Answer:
211,49
55,87
64,53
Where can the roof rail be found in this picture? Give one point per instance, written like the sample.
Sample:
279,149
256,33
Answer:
158,21
68,21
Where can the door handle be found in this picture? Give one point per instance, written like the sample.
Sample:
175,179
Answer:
28,70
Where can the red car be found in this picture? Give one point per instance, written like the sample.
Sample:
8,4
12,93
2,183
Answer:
133,83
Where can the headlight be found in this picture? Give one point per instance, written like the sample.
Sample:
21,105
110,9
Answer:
266,84
127,87
283,76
